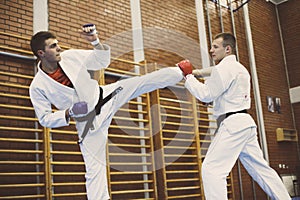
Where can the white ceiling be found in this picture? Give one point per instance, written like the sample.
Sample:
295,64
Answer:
276,2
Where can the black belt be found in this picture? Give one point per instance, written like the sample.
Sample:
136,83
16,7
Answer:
91,116
231,113
102,101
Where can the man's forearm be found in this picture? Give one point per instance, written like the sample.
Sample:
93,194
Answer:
202,72
97,44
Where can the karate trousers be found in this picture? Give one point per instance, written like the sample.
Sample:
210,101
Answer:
93,147
235,139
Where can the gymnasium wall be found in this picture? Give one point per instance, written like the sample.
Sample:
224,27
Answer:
273,81
170,35
289,18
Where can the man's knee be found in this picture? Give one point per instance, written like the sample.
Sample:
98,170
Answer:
206,171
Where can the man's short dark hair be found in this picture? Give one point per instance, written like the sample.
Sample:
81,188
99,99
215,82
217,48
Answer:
38,41
228,39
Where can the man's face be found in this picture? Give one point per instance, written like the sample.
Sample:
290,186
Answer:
52,51
218,52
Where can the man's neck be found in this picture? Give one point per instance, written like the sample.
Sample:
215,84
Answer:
49,67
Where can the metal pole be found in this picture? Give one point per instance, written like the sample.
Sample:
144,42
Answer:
208,22
259,110
220,16
139,55
237,55
17,56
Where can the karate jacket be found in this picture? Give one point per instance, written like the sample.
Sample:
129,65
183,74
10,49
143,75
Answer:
45,92
228,87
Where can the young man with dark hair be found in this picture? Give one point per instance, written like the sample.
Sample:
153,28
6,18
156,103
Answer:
63,80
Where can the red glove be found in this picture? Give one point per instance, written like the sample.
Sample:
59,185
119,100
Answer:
185,66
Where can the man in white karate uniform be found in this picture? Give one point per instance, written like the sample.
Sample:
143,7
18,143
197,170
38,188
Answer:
228,86
63,80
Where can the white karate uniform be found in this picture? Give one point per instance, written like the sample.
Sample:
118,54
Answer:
45,91
229,88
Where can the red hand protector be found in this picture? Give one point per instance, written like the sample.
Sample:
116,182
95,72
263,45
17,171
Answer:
186,67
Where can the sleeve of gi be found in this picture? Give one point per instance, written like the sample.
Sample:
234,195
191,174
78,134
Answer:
208,91
43,110
91,59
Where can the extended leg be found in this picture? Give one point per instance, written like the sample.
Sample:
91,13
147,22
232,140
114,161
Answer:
253,161
136,86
